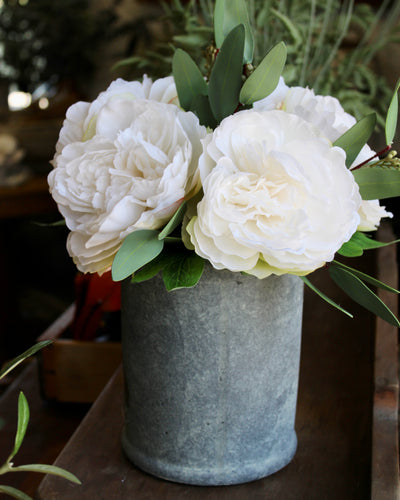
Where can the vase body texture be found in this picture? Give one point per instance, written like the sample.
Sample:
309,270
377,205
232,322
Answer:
211,376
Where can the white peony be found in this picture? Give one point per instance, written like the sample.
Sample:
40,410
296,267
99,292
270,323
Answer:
328,116
278,197
81,117
371,214
131,172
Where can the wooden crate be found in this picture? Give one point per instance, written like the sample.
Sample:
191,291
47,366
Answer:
75,370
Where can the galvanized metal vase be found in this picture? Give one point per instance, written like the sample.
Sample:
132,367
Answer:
211,376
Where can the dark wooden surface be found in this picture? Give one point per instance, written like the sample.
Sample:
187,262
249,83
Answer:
334,420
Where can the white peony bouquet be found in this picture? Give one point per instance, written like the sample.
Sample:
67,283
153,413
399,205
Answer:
233,167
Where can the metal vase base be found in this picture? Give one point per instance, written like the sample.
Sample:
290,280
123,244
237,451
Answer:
211,377
215,475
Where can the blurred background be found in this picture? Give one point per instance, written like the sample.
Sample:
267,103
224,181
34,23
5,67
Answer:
55,52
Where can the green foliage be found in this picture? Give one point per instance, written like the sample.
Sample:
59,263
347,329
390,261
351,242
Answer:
227,15
265,77
377,182
174,222
13,492
365,277
316,33
19,359
226,75
360,293
358,243
188,79
353,140
22,425
23,420
391,117
325,297
183,270
138,248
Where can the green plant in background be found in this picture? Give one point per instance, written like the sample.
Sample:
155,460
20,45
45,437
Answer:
317,33
23,420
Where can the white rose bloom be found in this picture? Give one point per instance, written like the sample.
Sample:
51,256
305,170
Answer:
278,197
327,115
132,174
81,117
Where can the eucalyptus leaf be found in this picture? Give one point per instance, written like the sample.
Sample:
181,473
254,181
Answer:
23,420
359,242
188,79
391,117
138,248
152,268
48,469
353,140
183,271
26,354
325,297
365,277
174,222
360,293
265,77
202,109
14,493
226,75
377,183
368,243
227,15
350,249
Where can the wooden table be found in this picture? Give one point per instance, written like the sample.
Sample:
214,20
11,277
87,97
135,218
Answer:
347,445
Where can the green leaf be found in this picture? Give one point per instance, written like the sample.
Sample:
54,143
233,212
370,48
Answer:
174,222
361,294
138,248
48,469
23,420
368,243
324,297
152,268
183,271
226,75
353,140
188,79
202,109
13,492
265,77
377,183
360,242
227,15
350,249
391,116
365,277
19,359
